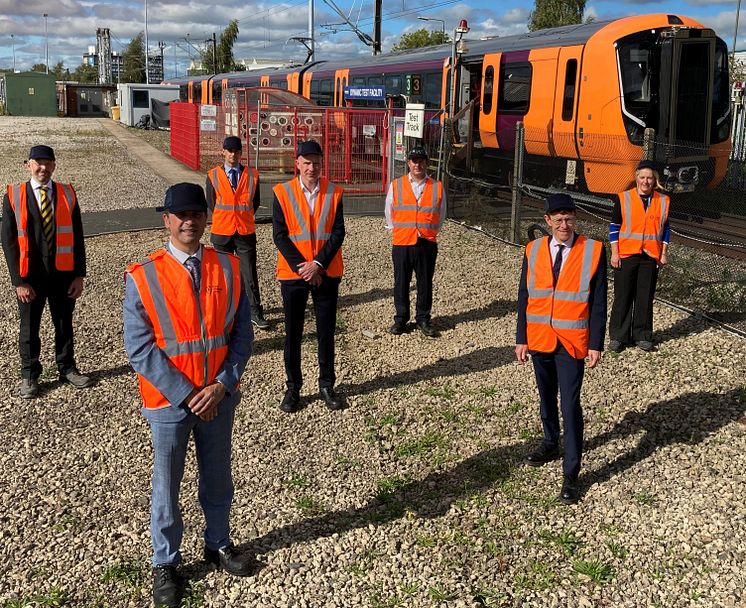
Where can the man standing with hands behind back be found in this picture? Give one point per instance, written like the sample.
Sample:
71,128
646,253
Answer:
187,332
232,192
308,230
42,237
561,321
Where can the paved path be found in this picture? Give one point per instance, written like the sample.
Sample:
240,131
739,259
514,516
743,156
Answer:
171,170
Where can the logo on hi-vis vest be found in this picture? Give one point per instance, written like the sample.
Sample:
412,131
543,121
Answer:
213,289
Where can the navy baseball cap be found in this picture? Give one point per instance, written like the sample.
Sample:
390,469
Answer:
307,148
417,152
647,164
41,152
231,143
184,197
558,202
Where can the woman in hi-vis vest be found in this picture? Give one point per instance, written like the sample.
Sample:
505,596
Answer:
639,236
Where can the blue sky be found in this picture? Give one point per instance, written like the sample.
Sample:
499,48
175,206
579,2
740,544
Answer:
266,26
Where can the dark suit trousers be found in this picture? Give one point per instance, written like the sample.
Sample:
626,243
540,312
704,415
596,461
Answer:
419,258
294,299
244,246
631,317
52,289
560,371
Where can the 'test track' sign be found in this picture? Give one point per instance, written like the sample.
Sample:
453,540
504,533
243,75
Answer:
414,120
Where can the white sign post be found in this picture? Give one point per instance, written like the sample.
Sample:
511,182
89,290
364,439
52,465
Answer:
414,120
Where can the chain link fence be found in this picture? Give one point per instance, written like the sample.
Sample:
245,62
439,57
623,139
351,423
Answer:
501,192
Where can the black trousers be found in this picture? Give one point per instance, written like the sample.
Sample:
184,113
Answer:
419,258
52,289
294,300
631,318
561,371
244,246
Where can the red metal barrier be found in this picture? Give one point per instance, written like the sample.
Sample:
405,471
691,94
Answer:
185,134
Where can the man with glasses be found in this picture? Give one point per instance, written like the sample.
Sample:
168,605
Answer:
561,321
415,211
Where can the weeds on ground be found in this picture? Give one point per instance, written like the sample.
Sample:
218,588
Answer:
596,570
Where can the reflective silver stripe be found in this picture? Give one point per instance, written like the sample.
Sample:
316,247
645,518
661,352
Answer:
225,264
399,193
16,197
236,207
64,249
191,347
326,208
215,181
159,302
585,277
532,291
542,319
564,324
305,232
69,197
664,215
64,230
414,225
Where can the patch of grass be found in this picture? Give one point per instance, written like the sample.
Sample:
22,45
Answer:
364,562
54,598
388,420
376,600
448,415
19,602
526,434
387,486
409,588
65,523
129,573
515,407
439,594
309,504
340,324
645,498
565,540
422,445
444,392
194,595
596,570
297,482
487,391
617,549
425,540
489,597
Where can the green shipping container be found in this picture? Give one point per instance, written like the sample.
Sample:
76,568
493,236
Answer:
30,94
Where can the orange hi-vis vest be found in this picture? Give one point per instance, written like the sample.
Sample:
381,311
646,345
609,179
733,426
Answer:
234,210
65,202
560,312
309,233
193,332
411,219
642,229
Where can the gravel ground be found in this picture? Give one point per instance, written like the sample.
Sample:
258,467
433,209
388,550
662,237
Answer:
413,496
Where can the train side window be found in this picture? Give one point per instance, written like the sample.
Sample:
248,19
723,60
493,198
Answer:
375,80
432,91
326,88
393,85
487,88
359,81
568,98
515,88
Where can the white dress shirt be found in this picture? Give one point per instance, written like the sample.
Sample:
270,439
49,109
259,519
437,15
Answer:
554,244
311,195
37,192
182,256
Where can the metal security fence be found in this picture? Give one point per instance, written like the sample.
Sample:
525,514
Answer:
185,139
502,191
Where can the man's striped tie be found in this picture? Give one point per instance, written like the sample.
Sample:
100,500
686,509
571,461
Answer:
47,215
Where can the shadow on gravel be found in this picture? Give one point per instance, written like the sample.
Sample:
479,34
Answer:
476,361
355,299
113,372
493,310
688,326
430,497
688,419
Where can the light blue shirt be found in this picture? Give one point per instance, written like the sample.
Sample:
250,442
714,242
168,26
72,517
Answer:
148,360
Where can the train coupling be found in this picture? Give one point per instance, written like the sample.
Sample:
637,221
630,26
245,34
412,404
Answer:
681,179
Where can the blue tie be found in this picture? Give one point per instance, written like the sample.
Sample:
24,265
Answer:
233,174
192,264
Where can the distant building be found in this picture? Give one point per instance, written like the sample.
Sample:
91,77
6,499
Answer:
28,94
155,65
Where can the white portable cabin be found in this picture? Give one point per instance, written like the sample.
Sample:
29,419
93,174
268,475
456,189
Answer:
135,100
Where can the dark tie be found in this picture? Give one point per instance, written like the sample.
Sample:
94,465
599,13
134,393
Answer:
557,263
233,174
192,264
47,214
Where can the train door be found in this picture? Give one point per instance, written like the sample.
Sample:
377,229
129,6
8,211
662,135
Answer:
306,91
190,91
538,121
488,107
293,80
341,77
223,89
264,81
444,86
206,97
566,94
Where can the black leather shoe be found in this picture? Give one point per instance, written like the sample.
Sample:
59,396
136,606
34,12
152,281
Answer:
645,345
259,321
333,401
397,329
230,560
290,402
541,456
167,587
77,379
29,388
427,329
615,346
570,493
